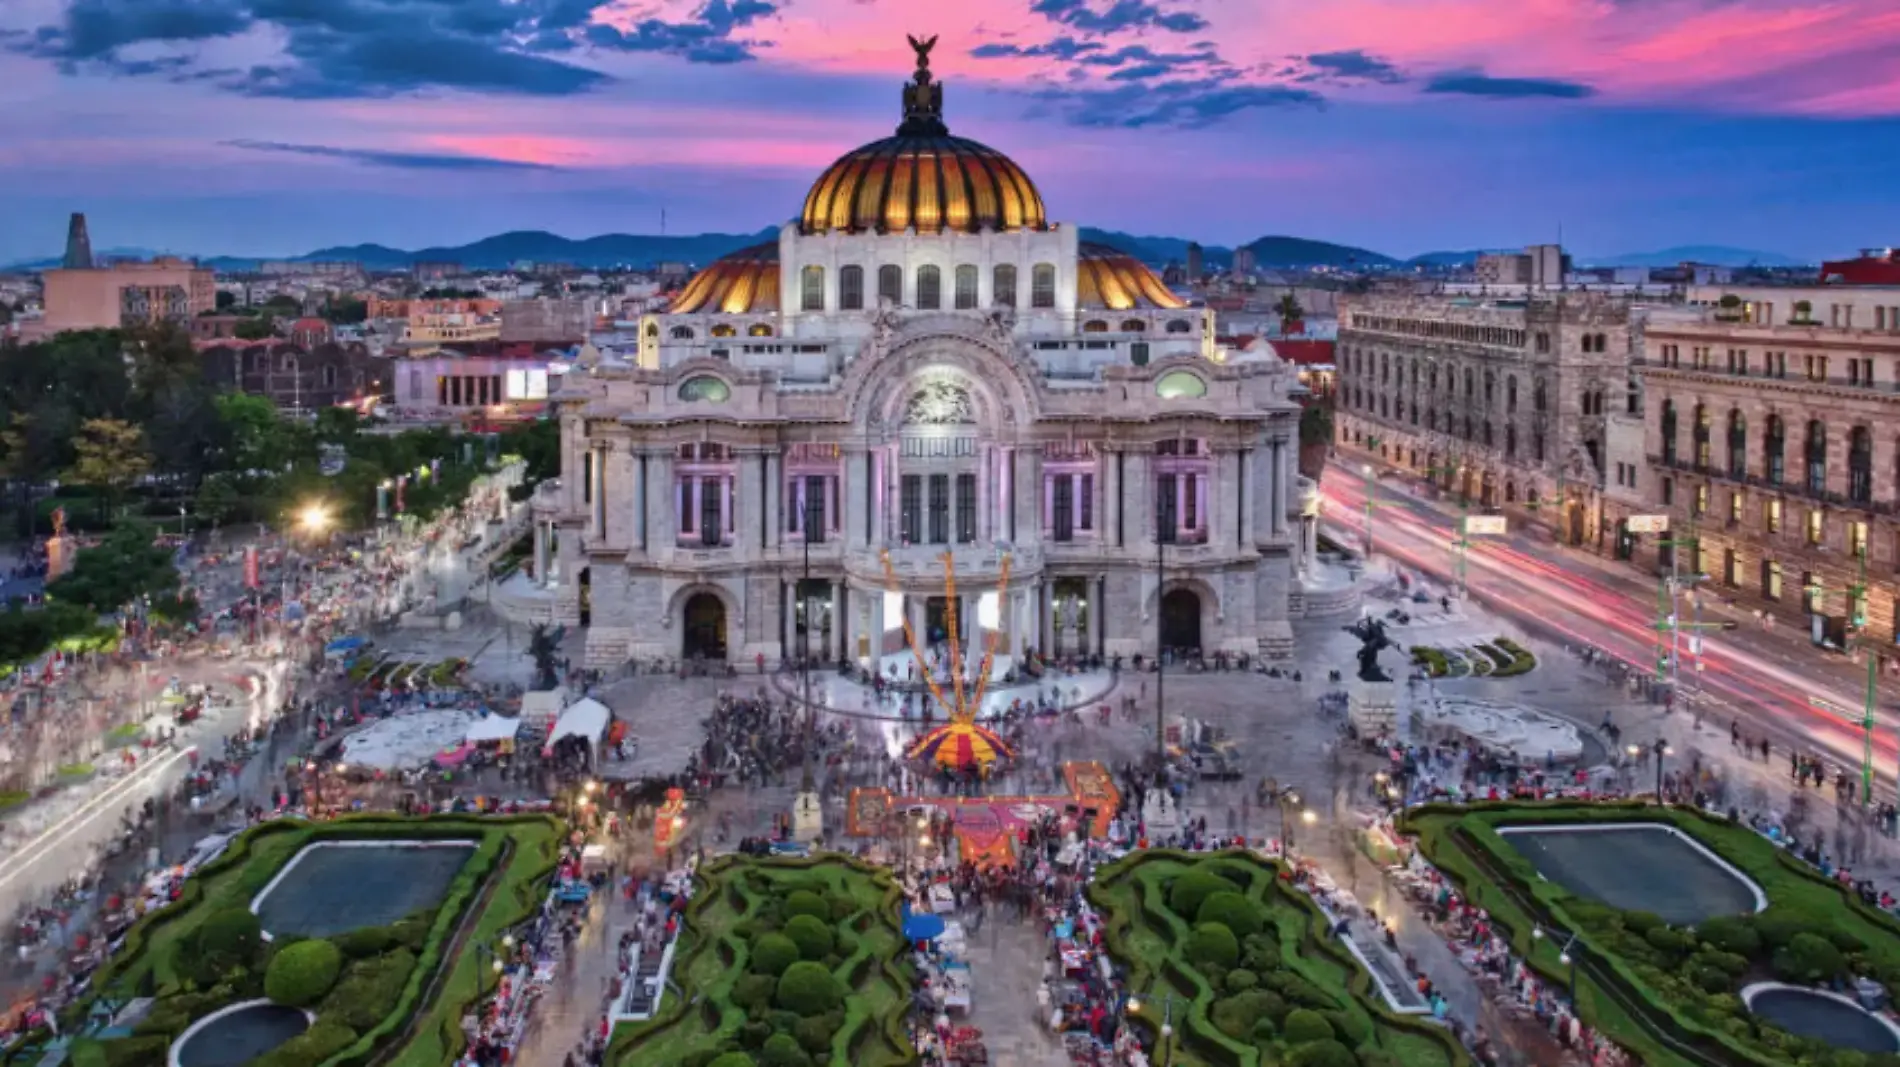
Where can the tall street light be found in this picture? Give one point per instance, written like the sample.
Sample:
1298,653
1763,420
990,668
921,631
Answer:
1660,748
1164,535
1565,956
809,523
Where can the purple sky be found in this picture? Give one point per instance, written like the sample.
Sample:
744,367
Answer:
272,127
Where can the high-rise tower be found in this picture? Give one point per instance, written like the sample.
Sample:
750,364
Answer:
78,244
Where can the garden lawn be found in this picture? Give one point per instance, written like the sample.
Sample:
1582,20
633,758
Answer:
1259,1005
736,999
1667,993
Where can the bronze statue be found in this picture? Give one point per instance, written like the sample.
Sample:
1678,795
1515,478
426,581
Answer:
922,48
1371,634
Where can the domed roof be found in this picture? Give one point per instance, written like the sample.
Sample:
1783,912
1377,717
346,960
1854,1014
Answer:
738,283
1107,277
923,178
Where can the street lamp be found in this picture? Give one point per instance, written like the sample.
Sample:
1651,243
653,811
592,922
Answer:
1564,956
1164,534
314,518
1661,748
1168,1000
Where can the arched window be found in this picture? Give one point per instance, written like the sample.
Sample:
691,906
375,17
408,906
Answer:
811,288
966,286
682,333
851,288
1537,396
1737,444
704,388
759,329
929,288
1003,285
1510,393
653,329
1510,442
723,329
1668,432
1816,456
1860,465
1180,385
1603,343
1179,326
890,285
1042,285
1490,385
1095,326
1700,433
1134,326
1385,368
1471,383
1774,445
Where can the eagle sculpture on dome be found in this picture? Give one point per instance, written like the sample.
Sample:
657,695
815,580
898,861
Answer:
922,48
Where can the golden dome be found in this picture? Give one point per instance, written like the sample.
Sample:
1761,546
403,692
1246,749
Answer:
923,178
1109,278
738,283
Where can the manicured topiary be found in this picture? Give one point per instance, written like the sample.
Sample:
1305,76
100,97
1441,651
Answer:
1190,889
814,1034
1322,1054
811,936
315,1045
300,974
754,990
1239,980
772,954
1304,1024
1235,1016
361,944
229,938
1730,933
1212,944
1231,910
734,1059
805,902
1808,958
781,1050
808,989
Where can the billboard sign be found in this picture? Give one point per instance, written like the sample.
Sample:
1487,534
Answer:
1647,524
1484,525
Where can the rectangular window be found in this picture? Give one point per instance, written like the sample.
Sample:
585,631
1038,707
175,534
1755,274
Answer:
1003,285
890,285
683,490
940,509
1042,285
1771,516
1811,593
1193,502
911,508
1668,491
966,287
811,295
1735,507
709,524
966,509
851,288
1770,580
1087,502
1731,568
1857,539
1165,517
1816,529
929,288
815,508
1701,500
1062,512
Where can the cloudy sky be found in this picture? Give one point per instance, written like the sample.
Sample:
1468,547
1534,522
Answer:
271,127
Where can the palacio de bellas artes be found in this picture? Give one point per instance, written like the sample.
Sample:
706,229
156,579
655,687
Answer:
923,363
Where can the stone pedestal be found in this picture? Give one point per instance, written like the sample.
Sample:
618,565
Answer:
1374,709
1160,813
808,817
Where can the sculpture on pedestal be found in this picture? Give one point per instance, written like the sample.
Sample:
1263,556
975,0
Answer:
1371,634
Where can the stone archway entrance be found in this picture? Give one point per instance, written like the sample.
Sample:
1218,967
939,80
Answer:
1181,620
703,633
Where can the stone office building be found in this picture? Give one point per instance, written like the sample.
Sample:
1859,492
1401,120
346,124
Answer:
1776,447
1503,401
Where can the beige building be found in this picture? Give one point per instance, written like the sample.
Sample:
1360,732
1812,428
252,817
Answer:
1504,401
547,321
1835,307
1777,448
126,294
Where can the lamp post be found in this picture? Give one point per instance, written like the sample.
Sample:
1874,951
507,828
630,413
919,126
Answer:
1660,748
1564,956
1164,534
804,611
1284,797
1162,1046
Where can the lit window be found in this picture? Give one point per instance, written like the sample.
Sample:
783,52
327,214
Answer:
1816,527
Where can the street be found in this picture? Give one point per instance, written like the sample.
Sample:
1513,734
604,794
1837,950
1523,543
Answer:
1763,681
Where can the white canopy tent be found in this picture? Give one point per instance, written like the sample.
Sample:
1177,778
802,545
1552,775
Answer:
585,718
493,728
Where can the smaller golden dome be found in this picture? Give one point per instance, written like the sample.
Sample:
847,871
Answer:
738,283
1110,279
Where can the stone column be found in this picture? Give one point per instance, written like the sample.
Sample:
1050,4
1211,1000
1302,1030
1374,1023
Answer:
1246,496
834,647
774,512
1094,643
877,629
1220,533
540,553
852,486
986,457
788,621
636,509
1138,498
662,523
1283,484
1108,519
1046,628
750,505
1029,496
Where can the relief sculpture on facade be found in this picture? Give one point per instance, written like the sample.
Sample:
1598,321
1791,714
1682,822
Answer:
939,403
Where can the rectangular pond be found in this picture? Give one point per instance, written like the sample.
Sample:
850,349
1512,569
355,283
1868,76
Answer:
1638,867
333,887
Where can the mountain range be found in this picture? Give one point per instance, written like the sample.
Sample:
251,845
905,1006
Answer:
640,250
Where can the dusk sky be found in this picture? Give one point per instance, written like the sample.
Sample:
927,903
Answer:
274,127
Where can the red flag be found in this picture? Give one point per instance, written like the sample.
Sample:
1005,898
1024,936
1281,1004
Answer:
250,568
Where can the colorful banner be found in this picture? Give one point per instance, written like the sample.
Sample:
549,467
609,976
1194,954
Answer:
251,578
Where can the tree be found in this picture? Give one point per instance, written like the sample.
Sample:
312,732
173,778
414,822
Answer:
110,456
259,439
347,311
1290,309
338,425
226,301
127,566
217,498
542,648
261,328
283,304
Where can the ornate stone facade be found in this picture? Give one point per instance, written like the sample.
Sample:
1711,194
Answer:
1777,449
991,390
1503,400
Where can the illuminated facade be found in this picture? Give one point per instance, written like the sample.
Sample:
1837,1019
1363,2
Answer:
923,363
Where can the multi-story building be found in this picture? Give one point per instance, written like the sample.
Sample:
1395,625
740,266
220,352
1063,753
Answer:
1503,400
1536,266
297,378
1873,308
126,294
546,320
920,367
1778,446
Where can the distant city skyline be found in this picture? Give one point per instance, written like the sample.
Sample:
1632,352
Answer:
260,128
